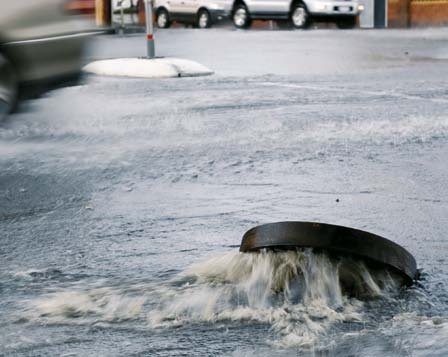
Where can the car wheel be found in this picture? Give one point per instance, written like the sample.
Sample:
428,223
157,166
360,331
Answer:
241,18
300,17
346,23
204,20
163,19
8,87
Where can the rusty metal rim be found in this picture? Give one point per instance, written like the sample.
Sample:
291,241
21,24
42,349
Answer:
336,239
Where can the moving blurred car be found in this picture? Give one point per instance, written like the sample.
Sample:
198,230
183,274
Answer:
200,13
299,13
40,48
86,7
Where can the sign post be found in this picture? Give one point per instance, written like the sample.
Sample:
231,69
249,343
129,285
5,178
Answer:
151,52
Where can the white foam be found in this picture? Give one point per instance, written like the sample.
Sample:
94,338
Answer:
147,68
418,334
297,293
95,305
27,274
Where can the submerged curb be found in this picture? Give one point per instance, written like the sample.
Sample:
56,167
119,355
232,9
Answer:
335,239
168,67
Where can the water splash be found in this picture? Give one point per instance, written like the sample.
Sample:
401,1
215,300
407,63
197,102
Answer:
299,294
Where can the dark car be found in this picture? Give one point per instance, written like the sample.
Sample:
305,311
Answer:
40,48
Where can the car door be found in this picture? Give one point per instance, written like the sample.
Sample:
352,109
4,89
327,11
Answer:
268,7
190,8
175,9
182,10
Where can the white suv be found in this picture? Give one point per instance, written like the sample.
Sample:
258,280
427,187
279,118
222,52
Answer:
299,13
200,13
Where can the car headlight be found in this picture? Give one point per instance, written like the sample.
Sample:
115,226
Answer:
360,7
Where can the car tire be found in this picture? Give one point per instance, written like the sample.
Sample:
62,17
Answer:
8,87
163,19
346,24
300,16
203,20
241,17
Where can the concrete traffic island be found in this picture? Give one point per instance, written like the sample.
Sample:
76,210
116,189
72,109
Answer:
148,68
375,251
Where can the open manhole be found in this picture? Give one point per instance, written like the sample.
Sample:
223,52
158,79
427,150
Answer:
376,252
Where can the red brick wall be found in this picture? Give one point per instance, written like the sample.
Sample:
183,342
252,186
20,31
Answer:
429,13
417,13
102,12
141,12
398,13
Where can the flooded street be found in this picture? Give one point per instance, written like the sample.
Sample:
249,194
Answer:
123,201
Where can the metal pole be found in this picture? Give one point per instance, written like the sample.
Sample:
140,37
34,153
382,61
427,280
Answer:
149,30
121,16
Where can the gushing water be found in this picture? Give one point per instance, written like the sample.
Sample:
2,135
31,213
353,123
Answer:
299,294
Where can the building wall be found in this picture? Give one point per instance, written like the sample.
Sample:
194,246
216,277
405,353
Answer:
417,13
398,13
429,13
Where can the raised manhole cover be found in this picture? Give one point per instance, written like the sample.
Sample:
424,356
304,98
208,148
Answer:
337,240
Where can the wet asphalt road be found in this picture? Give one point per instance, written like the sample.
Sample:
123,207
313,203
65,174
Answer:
111,189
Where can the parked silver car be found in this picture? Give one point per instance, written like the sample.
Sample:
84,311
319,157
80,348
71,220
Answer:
200,13
40,48
299,13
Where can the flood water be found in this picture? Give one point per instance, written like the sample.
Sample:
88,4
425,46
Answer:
123,203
